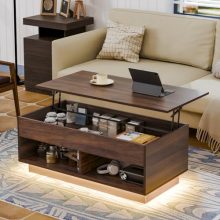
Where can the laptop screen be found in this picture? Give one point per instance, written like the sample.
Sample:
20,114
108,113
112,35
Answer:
145,77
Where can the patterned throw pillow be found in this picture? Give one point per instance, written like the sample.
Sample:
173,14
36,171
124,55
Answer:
123,42
216,69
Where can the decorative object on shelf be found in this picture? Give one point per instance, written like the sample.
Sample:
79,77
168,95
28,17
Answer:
49,7
112,168
51,120
55,118
95,120
79,9
90,131
132,173
65,8
103,123
51,155
70,115
51,114
190,9
216,69
42,150
80,119
134,125
62,152
61,119
81,116
72,155
116,125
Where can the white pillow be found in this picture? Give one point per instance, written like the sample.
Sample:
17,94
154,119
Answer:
123,42
216,69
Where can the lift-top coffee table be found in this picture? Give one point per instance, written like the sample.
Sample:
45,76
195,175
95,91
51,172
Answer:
163,160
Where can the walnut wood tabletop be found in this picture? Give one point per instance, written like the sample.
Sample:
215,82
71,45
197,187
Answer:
121,92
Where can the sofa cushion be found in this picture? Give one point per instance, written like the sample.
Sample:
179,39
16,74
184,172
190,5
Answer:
174,38
170,73
216,57
216,69
122,42
207,84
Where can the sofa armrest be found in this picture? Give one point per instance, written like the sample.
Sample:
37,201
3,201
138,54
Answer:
76,49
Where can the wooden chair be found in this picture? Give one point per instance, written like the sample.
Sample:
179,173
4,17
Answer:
9,83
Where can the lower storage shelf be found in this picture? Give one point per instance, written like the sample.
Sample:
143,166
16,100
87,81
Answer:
64,167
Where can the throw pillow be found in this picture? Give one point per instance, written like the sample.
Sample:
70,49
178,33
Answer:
123,42
216,69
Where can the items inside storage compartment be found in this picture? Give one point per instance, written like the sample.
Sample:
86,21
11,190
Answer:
48,155
72,161
100,122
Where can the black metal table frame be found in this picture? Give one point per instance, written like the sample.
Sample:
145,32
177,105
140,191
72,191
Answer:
176,111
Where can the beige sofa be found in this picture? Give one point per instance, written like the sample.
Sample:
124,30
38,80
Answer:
181,49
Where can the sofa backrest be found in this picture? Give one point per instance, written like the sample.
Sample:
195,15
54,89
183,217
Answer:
217,44
173,38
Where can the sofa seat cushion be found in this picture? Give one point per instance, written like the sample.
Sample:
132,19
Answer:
207,84
170,73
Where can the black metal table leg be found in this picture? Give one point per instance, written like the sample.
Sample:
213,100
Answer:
59,103
53,100
175,112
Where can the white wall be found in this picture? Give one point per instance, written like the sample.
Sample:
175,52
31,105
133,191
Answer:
97,8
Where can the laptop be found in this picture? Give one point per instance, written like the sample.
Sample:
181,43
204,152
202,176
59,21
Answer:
148,83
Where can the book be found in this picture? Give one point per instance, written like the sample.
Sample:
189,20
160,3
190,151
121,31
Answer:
136,137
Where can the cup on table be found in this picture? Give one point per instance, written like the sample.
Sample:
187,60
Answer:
100,78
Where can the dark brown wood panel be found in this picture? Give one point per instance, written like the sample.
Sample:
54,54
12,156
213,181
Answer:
121,92
57,22
166,159
26,148
92,144
29,86
37,60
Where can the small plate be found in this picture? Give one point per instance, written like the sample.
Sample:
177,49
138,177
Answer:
108,82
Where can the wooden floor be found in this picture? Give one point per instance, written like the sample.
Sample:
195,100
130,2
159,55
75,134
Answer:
29,102
8,211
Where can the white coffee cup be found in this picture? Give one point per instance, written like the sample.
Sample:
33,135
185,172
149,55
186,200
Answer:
100,78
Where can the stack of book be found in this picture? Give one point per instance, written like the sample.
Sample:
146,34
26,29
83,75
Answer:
137,137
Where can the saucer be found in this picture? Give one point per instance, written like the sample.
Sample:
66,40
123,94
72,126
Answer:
108,82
